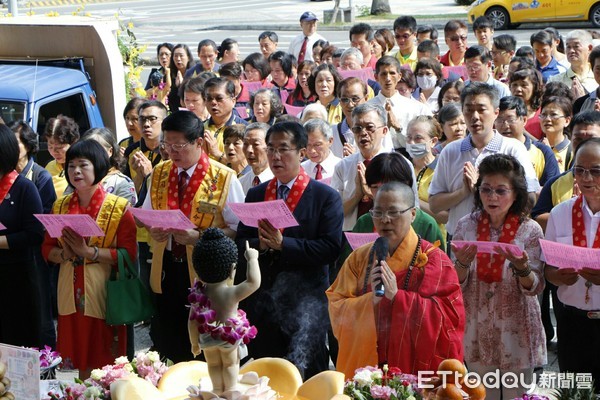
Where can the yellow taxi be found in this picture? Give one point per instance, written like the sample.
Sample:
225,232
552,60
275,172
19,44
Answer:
510,13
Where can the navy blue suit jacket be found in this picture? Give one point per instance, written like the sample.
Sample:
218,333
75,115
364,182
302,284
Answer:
309,248
290,307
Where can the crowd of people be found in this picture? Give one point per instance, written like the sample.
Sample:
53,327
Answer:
485,143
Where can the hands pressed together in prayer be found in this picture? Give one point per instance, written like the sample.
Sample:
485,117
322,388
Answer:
210,145
470,176
269,237
392,120
361,182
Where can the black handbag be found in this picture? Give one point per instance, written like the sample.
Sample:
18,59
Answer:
127,299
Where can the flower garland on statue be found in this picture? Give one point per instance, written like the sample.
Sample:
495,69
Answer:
234,330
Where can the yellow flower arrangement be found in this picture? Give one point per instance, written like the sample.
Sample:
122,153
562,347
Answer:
131,52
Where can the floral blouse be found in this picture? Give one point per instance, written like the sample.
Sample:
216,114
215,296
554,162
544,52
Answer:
504,326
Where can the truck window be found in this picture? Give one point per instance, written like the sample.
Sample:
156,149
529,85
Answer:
70,106
12,111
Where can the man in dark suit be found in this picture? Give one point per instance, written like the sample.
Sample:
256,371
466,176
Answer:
290,308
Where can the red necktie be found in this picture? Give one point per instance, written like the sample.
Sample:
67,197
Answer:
302,50
319,173
182,186
179,250
365,203
255,181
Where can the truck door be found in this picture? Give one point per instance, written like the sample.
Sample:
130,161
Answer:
71,104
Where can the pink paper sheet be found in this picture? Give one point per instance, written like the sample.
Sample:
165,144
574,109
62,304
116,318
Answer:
565,256
363,74
242,112
488,247
252,86
275,211
83,224
165,219
293,110
355,240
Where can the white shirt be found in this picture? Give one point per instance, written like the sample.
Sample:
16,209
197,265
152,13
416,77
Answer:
559,229
587,81
404,109
328,166
343,181
337,148
248,179
235,194
296,45
502,88
448,174
432,101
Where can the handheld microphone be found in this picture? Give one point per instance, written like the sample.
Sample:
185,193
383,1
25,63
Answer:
381,248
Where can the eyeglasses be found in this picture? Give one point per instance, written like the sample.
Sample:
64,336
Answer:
150,118
488,191
218,99
347,100
473,67
174,146
391,214
510,121
370,129
132,120
497,52
271,151
406,36
552,117
593,172
458,38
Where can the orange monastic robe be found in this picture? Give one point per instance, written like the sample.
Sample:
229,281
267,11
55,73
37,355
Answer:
425,322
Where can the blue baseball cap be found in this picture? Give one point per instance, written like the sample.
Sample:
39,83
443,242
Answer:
308,16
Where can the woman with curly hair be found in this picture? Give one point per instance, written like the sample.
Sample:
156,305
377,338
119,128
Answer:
60,133
266,106
504,327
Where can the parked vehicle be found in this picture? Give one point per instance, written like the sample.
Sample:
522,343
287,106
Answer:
61,65
510,13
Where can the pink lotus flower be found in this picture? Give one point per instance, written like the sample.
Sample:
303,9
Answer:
382,392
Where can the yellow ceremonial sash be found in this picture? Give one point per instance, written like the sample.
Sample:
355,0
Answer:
218,135
562,188
95,274
537,159
207,209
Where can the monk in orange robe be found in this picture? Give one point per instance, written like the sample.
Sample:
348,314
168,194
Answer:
420,319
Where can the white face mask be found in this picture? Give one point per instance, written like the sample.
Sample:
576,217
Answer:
417,150
426,82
